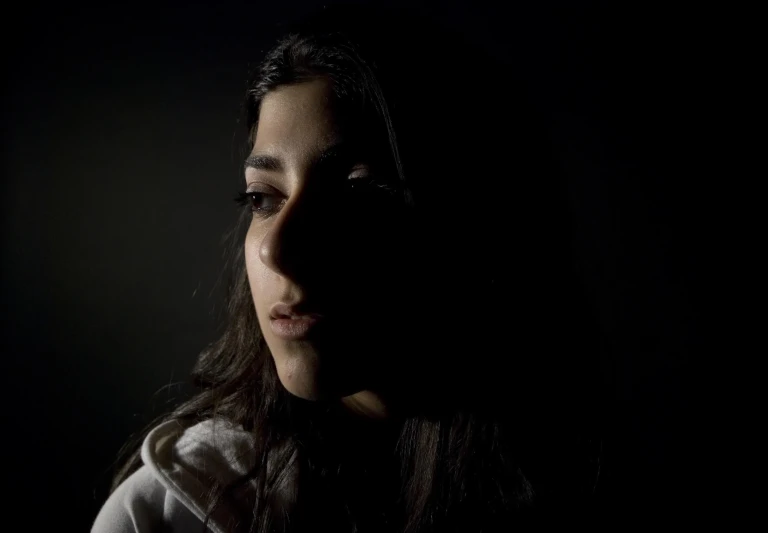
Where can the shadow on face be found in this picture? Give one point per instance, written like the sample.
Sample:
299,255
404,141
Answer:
328,236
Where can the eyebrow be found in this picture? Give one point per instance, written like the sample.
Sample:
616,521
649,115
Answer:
339,153
264,162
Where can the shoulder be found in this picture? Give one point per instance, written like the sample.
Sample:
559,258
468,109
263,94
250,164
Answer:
143,504
171,490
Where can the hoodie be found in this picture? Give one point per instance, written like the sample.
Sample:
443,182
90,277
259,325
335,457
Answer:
169,492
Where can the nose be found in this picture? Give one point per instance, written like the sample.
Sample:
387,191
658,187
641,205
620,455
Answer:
295,236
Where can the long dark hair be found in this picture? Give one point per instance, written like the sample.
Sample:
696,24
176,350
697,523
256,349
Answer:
474,169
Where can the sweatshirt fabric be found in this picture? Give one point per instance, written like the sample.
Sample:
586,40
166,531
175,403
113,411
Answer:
169,491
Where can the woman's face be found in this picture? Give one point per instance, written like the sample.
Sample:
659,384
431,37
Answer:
325,241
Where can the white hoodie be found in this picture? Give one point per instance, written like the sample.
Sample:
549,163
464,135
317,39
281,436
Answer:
169,491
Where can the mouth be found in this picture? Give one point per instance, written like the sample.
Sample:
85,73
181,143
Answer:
294,327
298,311
293,321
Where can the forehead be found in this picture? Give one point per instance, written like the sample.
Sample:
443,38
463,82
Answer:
300,117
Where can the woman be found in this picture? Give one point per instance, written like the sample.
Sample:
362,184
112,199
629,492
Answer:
402,281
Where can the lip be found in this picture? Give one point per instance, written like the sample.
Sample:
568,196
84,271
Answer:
300,310
293,322
294,328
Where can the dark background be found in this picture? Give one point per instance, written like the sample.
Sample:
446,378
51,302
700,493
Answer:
121,154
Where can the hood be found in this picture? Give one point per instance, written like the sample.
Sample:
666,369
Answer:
189,460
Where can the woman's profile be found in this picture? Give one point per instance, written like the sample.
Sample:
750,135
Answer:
403,330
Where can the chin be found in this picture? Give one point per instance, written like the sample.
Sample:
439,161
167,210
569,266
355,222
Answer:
301,376
304,391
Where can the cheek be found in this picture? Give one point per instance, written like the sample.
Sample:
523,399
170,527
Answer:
250,248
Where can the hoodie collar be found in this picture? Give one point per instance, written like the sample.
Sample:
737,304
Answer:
188,460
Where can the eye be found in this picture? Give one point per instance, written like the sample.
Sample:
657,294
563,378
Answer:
259,203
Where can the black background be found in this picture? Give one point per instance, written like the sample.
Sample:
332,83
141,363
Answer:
121,154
